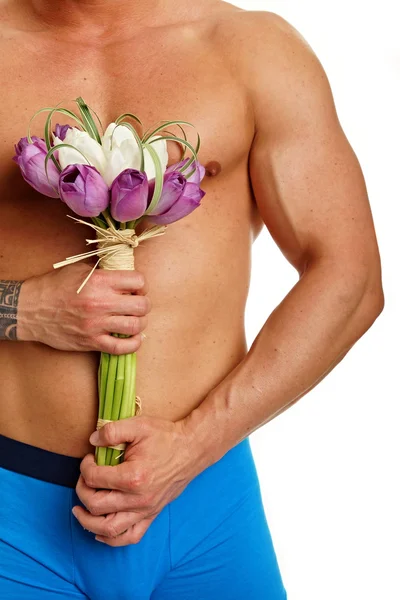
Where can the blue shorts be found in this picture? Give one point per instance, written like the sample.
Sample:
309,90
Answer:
210,543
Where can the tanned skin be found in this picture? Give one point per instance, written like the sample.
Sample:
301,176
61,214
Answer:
276,157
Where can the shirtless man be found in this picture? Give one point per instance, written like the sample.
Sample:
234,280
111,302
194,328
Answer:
184,509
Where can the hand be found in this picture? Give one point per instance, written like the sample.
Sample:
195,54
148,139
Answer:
159,463
50,311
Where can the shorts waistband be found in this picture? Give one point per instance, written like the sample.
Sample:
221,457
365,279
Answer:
39,463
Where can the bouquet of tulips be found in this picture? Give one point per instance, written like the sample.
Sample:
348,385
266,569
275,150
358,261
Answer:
116,178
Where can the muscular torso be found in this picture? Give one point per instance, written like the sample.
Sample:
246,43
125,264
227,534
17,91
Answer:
198,272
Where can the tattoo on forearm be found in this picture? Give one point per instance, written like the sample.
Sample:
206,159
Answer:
9,295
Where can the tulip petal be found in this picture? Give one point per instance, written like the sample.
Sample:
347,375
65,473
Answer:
83,189
198,174
89,150
186,204
129,195
120,158
30,157
161,148
173,186
60,131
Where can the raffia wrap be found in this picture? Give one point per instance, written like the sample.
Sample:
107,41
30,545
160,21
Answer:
115,249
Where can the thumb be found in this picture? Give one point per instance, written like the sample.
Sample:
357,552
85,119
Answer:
116,432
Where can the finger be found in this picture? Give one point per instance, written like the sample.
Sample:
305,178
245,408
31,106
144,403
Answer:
132,536
103,502
117,432
119,477
126,281
90,498
109,525
125,325
114,345
130,305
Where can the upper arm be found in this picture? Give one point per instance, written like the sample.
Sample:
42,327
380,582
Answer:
307,181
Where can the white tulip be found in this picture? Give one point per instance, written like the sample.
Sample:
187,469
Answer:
161,148
121,152
119,134
118,151
90,149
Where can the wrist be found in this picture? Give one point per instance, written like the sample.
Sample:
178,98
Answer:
204,434
27,309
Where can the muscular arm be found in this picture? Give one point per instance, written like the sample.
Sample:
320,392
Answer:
311,194
9,297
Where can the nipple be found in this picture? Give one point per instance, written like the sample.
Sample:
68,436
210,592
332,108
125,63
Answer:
213,168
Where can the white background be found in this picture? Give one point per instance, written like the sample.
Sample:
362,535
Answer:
329,466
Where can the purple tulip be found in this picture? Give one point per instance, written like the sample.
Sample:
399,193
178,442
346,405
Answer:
84,190
179,198
61,131
196,177
30,158
129,195
174,184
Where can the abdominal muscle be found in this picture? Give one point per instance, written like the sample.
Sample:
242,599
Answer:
195,337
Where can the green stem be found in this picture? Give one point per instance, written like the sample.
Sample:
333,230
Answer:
135,222
116,406
132,405
109,220
108,401
104,365
102,383
126,401
130,374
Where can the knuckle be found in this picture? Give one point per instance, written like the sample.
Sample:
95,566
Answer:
93,507
89,478
140,279
110,530
134,344
101,278
99,304
134,481
89,305
112,346
148,501
94,343
143,304
148,303
97,277
130,484
98,343
139,478
134,326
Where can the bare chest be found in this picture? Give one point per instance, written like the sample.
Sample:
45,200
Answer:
168,75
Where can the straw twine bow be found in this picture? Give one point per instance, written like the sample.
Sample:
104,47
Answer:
114,247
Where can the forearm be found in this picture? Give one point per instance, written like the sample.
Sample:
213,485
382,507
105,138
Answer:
9,298
303,339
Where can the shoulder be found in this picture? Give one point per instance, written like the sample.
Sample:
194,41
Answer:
273,61
258,34
262,39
